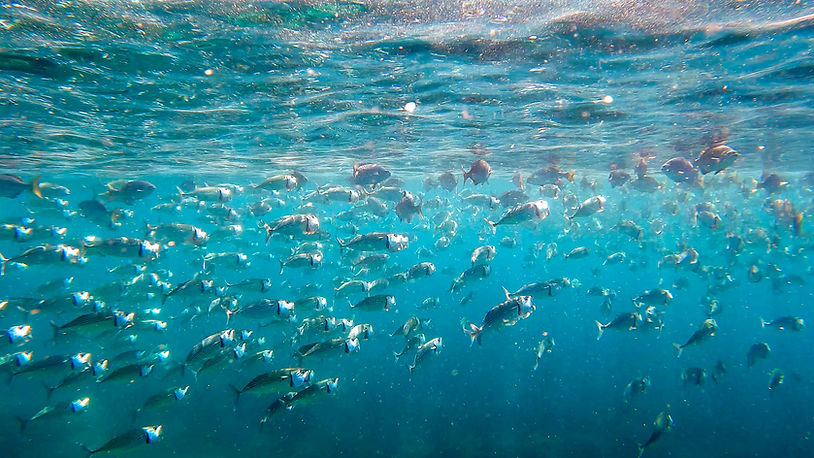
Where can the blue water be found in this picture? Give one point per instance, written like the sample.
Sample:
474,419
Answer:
185,94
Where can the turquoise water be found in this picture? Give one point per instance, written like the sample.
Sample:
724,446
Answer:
196,94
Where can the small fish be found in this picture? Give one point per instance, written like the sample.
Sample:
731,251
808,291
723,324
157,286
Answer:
793,323
663,424
129,441
715,159
378,302
12,186
624,321
638,385
546,345
430,347
507,313
478,172
757,351
367,174
708,328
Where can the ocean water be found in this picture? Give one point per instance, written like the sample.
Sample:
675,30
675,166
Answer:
199,94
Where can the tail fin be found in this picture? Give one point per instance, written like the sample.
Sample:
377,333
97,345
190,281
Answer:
641,450
570,176
49,390
35,187
87,450
474,333
55,327
600,330
492,224
466,176
237,393
679,349
762,323
4,260
22,422
282,266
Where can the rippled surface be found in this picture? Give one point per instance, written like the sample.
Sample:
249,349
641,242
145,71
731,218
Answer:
216,88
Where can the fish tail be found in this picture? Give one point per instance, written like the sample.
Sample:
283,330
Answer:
493,225
35,186
49,390
600,329
21,422
4,260
641,450
396,356
763,323
798,223
87,450
237,393
282,266
570,175
678,348
474,333
421,204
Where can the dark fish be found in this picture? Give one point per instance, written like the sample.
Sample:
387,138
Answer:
12,186
478,172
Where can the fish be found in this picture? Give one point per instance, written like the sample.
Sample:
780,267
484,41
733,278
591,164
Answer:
483,254
59,411
378,302
376,241
369,174
291,226
406,208
413,325
413,342
11,186
524,213
128,191
662,424
589,207
624,321
545,346
550,175
681,170
793,323
759,350
708,329
637,386
430,347
286,182
776,378
275,381
715,159
478,172
507,313
128,441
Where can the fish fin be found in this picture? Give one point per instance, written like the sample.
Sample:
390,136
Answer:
492,225
600,330
237,393
641,450
506,292
466,176
21,422
35,187
679,349
180,191
570,176
56,330
4,260
762,323
87,450
282,266
49,390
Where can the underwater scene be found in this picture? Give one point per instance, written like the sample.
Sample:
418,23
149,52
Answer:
502,228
